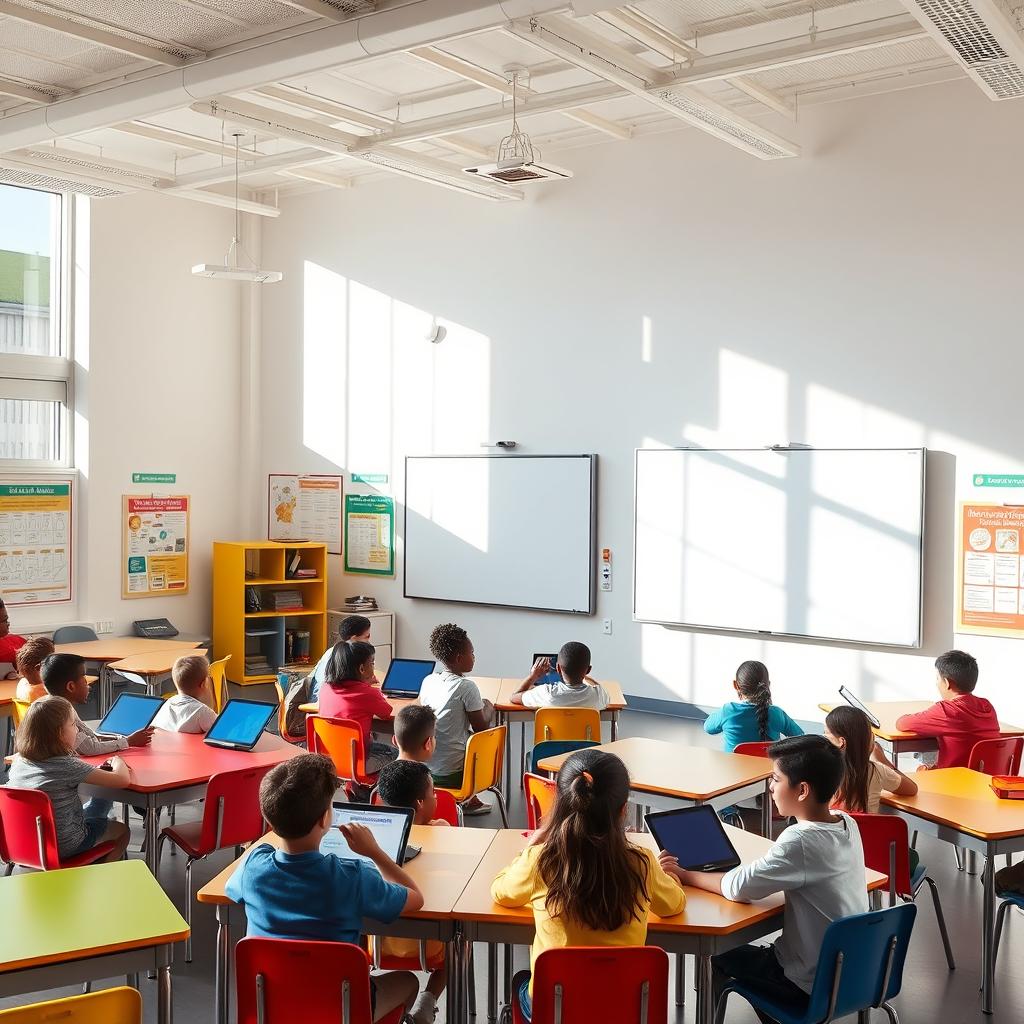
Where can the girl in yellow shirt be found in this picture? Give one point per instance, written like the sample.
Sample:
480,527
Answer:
587,883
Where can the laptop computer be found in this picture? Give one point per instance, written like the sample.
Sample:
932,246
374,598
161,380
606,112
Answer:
405,677
240,724
129,713
390,827
695,836
553,676
855,702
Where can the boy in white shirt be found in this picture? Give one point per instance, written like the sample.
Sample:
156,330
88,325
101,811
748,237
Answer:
575,688
817,862
190,710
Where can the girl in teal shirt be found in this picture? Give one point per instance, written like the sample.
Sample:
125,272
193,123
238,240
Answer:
753,718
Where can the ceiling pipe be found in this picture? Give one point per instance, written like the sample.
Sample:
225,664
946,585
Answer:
387,30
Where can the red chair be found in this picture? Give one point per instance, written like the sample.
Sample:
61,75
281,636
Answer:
540,797
758,748
231,817
447,809
283,980
887,850
28,834
342,741
625,984
997,757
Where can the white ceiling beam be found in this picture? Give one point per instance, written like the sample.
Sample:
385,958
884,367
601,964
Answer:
321,105
768,97
317,176
263,165
182,140
94,34
466,146
436,172
32,94
320,9
602,124
199,195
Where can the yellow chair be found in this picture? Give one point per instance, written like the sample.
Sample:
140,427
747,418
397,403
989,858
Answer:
111,1006
218,671
484,754
567,724
18,709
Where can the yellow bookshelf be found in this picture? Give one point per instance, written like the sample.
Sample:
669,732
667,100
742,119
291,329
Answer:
264,567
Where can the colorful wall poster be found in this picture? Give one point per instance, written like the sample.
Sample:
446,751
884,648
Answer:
305,507
990,585
155,545
35,541
370,534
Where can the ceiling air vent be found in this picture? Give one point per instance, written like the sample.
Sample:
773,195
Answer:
982,36
50,183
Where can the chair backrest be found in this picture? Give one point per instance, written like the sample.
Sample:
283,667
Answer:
886,849
552,748
231,814
540,797
218,671
997,757
625,984
485,752
73,634
19,707
28,835
280,980
861,962
111,1006
567,724
757,748
341,740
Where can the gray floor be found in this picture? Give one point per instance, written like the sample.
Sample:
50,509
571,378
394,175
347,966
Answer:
930,991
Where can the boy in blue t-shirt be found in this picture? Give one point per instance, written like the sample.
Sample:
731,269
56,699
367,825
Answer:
297,892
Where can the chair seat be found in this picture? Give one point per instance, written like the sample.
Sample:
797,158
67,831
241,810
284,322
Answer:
186,837
1014,898
785,1011
98,852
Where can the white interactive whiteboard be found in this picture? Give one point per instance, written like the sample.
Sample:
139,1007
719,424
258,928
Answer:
513,530
823,543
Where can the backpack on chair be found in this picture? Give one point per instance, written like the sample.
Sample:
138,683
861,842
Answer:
298,694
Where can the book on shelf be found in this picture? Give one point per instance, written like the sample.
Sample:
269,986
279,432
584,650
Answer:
283,600
360,603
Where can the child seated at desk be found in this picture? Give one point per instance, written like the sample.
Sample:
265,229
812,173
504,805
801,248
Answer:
456,701
191,708
406,783
27,662
575,688
10,644
416,733
818,862
297,892
353,627
587,883
46,760
958,719
753,718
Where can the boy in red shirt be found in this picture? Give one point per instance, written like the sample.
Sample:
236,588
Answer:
959,719
10,644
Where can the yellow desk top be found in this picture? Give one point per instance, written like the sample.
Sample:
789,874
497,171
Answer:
888,711
442,870
670,769
152,663
82,912
964,801
616,700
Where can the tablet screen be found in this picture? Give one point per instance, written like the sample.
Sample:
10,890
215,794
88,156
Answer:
129,713
696,837
406,675
389,825
855,702
241,722
554,676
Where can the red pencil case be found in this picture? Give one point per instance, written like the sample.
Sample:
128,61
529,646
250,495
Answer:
1008,787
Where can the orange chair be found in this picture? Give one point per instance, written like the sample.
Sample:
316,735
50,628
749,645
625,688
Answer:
292,980
482,773
757,748
111,1006
342,741
447,809
997,757
540,797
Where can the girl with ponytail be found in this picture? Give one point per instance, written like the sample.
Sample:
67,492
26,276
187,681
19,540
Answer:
587,883
753,718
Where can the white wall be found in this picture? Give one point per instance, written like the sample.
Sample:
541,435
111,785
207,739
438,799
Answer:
676,290
156,390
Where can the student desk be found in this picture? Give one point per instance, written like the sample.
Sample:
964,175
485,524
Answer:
664,775
83,924
958,806
152,665
449,859
117,648
175,769
7,690
899,742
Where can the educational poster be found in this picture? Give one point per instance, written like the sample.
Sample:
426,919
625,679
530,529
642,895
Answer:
35,542
305,508
155,545
370,534
990,571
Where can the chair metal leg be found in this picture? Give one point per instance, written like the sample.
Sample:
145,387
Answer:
720,1007
890,1012
1000,918
470,979
863,1016
188,908
680,979
492,983
496,790
159,850
942,922
913,840
958,857
8,869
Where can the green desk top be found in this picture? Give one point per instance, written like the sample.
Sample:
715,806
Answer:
56,916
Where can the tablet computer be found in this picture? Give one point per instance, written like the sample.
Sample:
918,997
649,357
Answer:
854,702
695,837
240,724
129,713
390,827
553,676
405,677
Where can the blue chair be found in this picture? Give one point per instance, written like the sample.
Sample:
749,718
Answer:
1010,899
73,634
552,748
860,968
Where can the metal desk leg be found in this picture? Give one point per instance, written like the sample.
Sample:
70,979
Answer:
451,983
503,719
164,1007
221,998
615,726
988,908
152,831
522,753
9,734
766,811
492,983
680,979
705,995
508,975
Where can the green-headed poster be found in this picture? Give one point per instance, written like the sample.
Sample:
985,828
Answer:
370,534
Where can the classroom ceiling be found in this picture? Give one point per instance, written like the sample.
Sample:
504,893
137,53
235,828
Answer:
117,96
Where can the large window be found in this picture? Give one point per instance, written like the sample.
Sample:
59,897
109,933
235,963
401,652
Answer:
34,364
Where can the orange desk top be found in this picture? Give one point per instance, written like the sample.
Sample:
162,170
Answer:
964,801
118,647
442,871
670,769
8,687
152,663
616,701
176,759
888,711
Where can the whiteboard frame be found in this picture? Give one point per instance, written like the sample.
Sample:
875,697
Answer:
591,608
793,449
